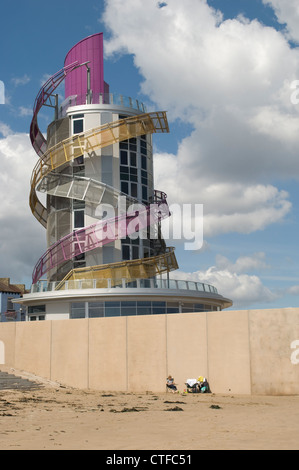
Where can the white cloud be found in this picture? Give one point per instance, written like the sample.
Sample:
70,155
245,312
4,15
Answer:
243,264
17,81
23,111
287,13
227,207
233,282
5,130
245,290
22,239
231,80
270,121
195,59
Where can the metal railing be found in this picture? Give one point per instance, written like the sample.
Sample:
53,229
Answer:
124,283
114,99
95,139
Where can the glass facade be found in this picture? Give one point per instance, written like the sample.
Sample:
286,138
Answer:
136,168
136,180
133,307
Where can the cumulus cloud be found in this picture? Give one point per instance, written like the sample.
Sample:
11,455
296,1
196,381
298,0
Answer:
243,264
244,289
233,281
231,81
5,130
22,239
227,207
23,111
287,13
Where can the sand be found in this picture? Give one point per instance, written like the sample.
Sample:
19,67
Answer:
54,417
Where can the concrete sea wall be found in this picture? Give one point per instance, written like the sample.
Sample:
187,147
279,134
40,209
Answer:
240,352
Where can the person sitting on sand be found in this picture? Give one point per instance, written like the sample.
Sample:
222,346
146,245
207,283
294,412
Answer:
170,383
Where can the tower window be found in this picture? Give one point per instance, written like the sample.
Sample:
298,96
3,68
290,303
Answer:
125,252
79,210
134,189
124,187
135,252
144,193
133,159
143,162
78,123
79,218
124,157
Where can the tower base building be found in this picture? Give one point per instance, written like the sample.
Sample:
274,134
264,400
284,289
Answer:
106,254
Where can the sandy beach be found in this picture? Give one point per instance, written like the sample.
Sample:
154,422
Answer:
53,417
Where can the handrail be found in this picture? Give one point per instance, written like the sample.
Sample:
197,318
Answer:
149,267
86,142
101,284
38,141
97,235
66,151
111,99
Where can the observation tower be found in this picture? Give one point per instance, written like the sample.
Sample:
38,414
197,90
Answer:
102,213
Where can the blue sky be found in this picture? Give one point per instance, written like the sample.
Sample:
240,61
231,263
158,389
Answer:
222,70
